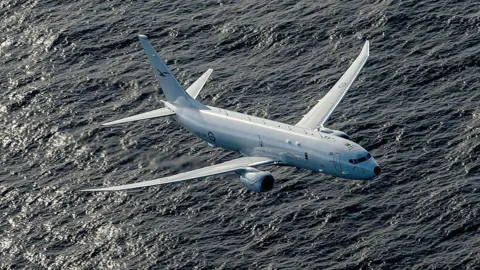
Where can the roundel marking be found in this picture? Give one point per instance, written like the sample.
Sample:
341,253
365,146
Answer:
342,85
211,136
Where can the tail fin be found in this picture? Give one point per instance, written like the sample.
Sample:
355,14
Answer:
173,91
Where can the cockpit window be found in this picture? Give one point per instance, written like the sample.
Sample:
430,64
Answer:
360,160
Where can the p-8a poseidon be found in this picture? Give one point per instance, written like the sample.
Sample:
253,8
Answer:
307,144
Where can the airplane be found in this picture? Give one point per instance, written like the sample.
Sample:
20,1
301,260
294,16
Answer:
308,144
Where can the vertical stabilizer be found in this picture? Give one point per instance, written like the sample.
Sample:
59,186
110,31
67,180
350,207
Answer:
173,91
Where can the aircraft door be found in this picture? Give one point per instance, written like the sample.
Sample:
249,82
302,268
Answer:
336,161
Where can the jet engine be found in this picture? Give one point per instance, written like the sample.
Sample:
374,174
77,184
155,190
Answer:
258,181
337,133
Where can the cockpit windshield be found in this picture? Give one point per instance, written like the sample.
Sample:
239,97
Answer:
360,160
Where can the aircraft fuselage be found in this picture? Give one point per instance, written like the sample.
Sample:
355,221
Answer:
294,146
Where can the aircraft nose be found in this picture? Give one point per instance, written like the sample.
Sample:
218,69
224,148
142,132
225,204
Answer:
377,170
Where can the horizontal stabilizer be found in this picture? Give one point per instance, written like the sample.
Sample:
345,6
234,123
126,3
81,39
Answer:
197,86
226,167
152,114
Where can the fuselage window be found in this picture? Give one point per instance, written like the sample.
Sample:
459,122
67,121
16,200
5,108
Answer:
306,155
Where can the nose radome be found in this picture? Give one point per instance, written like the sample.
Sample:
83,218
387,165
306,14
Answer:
377,170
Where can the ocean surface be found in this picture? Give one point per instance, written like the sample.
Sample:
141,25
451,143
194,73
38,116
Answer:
67,66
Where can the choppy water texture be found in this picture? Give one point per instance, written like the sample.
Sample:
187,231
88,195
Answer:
68,66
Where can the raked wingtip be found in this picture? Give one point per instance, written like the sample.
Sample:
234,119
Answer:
92,190
366,47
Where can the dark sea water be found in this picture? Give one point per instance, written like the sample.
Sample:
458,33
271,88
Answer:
66,66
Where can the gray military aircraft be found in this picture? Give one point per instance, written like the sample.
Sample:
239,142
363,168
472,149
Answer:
307,144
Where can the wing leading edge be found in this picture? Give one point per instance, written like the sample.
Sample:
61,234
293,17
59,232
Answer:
226,167
320,113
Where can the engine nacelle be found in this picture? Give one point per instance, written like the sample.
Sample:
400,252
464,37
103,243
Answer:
337,133
258,181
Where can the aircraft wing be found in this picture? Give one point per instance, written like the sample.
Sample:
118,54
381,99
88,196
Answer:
151,114
320,113
226,167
